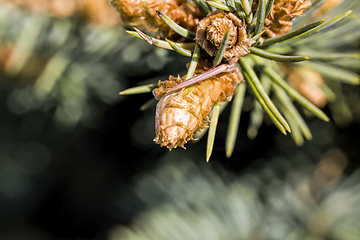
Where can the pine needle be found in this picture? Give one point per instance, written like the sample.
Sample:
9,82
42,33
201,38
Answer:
234,119
178,29
212,130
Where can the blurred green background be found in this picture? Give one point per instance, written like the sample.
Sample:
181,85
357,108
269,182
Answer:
77,160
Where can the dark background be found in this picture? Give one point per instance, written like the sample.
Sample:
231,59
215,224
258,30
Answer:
75,179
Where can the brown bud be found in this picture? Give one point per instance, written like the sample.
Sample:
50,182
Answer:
99,12
94,11
142,15
308,83
180,113
325,7
211,30
55,8
279,20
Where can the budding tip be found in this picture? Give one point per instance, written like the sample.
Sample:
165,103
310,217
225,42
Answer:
154,93
159,13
